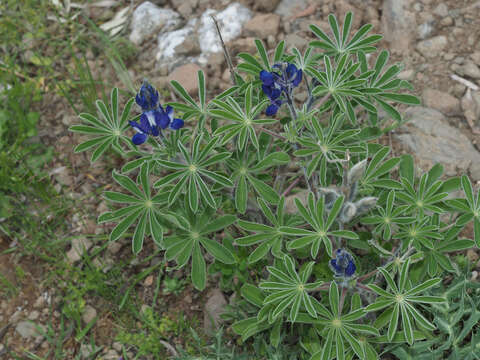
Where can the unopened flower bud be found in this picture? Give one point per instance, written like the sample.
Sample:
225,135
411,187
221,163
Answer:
356,172
365,204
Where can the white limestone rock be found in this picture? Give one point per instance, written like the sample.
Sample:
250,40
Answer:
231,22
148,19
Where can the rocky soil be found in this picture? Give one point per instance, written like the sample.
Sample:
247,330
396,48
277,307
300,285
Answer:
437,41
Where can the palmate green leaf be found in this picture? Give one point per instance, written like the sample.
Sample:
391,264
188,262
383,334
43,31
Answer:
287,292
138,236
111,216
156,229
244,118
339,44
143,208
106,126
192,176
123,225
400,301
199,273
194,232
218,251
252,294
315,216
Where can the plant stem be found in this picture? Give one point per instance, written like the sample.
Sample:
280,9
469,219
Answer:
291,186
342,299
269,132
324,286
360,285
225,52
366,276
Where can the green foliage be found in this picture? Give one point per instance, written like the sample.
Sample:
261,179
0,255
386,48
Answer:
402,296
221,185
270,238
147,338
315,214
457,322
107,127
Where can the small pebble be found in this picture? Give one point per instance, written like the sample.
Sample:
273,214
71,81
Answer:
34,315
148,281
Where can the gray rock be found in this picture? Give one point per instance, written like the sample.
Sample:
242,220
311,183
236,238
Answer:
27,329
79,246
111,355
114,247
87,350
214,307
148,19
406,74
441,101
265,5
424,30
62,175
471,107
169,43
230,20
89,313
441,10
263,26
476,57
432,140
290,207
288,8
186,75
398,24
432,47
293,40
242,45
34,315
471,69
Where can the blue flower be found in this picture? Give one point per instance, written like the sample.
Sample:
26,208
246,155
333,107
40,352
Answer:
147,97
343,265
154,118
281,81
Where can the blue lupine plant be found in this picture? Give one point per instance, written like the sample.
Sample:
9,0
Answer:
154,118
281,81
235,164
343,265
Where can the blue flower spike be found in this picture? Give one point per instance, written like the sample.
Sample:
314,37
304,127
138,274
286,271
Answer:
281,81
343,265
154,118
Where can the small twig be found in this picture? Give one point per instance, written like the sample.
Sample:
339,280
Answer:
291,186
345,164
342,299
225,52
322,101
366,276
269,132
360,285
465,82
169,347
324,286
310,10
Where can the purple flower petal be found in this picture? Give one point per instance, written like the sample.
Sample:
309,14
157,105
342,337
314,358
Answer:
169,112
298,78
350,270
139,138
271,110
163,121
177,124
291,71
266,77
